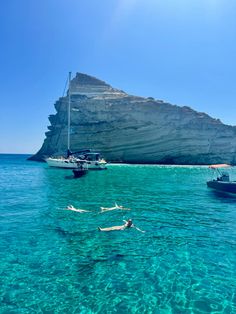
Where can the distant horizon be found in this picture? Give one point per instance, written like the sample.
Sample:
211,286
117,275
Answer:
28,154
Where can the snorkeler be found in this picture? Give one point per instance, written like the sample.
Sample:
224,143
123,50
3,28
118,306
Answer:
127,224
104,209
71,207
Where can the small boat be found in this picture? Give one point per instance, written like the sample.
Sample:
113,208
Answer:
222,183
94,161
79,172
82,169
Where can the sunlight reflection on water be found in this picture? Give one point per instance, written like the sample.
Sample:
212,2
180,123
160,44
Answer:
53,260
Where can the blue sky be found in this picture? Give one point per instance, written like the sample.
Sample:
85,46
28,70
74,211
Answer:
180,51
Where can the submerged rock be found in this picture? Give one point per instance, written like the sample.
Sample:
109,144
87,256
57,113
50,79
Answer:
133,129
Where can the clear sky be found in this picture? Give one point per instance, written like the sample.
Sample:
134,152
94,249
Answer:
180,51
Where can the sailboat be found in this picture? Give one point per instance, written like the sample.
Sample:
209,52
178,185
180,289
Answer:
92,159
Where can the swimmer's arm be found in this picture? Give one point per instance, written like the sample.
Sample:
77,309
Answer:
133,226
70,207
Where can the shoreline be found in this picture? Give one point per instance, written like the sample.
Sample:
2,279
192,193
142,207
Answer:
28,157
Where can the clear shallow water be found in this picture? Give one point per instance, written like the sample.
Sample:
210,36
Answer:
55,261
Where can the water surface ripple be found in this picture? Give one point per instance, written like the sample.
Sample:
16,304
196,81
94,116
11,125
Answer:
56,261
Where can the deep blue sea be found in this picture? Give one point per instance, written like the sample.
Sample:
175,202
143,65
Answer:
56,261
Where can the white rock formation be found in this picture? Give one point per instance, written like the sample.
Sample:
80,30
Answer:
134,129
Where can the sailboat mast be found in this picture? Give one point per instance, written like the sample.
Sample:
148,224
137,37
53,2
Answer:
69,105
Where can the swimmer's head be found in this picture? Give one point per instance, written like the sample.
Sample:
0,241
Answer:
129,223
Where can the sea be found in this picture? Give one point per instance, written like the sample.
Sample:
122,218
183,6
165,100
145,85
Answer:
53,260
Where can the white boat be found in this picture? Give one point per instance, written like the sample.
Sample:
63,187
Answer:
94,162
60,162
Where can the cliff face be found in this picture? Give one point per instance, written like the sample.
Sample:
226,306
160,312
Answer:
134,129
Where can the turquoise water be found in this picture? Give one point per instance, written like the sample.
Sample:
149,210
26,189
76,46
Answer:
55,261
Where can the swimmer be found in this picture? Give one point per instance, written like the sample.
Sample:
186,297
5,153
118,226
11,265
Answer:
71,207
127,224
105,209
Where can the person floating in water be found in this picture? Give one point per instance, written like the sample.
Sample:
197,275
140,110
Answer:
127,224
71,207
104,209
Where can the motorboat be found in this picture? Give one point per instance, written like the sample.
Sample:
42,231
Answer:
82,169
222,182
94,161
79,172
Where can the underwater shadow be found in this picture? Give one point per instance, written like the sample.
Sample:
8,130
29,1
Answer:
224,196
72,177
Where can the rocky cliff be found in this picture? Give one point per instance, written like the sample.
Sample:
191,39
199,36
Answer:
133,129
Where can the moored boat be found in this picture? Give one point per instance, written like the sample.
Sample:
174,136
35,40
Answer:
71,160
229,187
82,169
95,162
222,182
79,172
61,162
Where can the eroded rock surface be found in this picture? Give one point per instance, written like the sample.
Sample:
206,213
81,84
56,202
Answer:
133,129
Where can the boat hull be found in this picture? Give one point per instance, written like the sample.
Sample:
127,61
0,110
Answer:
73,164
60,163
229,187
96,165
79,173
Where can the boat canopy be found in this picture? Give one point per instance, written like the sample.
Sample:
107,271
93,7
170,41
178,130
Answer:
69,153
219,166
